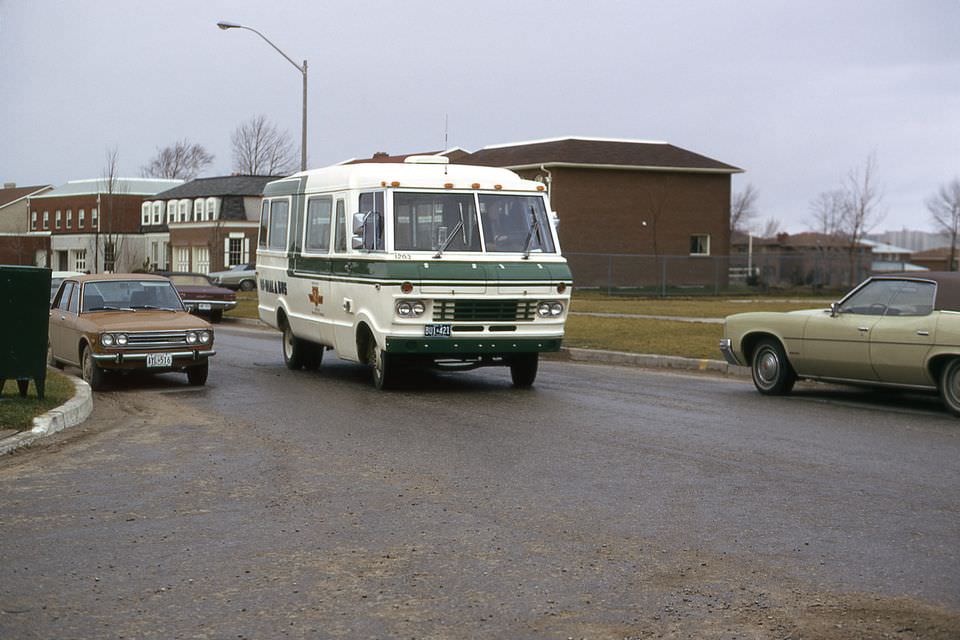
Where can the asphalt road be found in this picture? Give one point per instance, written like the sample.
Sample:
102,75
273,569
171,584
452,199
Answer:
606,502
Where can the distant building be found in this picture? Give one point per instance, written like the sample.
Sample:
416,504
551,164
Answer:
205,225
94,226
14,213
801,259
889,258
912,239
937,259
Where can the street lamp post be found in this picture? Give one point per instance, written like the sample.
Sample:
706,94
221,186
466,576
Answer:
303,71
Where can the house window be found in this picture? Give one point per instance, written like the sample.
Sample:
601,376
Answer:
94,220
183,258
69,218
201,259
157,213
80,260
109,256
33,221
700,244
145,214
58,218
184,211
171,211
198,210
212,209
46,219
80,218
235,251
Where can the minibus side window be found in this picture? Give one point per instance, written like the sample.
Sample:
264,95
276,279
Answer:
279,216
264,223
373,226
341,239
317,235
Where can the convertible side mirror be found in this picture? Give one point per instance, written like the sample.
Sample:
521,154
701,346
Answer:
834,309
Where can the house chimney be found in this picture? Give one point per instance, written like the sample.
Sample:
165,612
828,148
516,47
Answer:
9,185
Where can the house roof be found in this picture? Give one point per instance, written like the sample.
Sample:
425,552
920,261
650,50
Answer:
123,186
11,195
218,186
610,153
939,252
455,154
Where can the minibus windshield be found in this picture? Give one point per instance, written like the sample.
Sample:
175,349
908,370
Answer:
511,223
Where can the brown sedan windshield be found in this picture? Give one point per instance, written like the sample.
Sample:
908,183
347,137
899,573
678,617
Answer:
112,295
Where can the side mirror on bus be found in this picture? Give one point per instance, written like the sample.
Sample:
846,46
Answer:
357,242
359,220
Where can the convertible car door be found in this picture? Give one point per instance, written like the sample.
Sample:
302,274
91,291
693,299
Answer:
901,339
838,345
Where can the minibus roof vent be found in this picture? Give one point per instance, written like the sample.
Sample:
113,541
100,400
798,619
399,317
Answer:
427,160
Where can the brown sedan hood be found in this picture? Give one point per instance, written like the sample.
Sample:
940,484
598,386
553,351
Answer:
144,320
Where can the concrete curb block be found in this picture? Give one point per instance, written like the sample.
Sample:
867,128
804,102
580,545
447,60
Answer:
653,361
73,412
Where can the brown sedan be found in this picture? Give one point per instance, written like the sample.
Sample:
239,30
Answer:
126,322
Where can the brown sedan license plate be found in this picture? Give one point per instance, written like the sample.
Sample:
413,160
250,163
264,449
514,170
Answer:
159,360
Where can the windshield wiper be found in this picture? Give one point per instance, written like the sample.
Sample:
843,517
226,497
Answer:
106,308
460,226
534,227
151,307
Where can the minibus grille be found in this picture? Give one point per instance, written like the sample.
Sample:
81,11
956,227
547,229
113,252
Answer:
483,310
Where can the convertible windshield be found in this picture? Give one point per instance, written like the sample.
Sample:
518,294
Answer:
110,295
449,222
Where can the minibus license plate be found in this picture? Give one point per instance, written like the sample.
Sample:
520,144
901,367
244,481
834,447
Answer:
436,330
159,359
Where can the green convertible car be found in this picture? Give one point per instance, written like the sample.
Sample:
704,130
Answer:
892,330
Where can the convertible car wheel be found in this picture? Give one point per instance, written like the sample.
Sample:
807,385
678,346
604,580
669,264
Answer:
772,373
950,386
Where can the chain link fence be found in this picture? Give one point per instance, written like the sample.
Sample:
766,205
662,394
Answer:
800,272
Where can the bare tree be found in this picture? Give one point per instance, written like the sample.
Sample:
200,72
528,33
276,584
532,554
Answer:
861,208
771,227
109,239
743,208
827,212
944,208
259,148
183,159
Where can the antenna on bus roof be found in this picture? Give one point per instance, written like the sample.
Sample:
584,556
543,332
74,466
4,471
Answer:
446,133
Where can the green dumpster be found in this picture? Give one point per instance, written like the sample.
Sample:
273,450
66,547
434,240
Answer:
24,318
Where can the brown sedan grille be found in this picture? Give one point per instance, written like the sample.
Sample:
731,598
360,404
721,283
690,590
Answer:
157,339
483,310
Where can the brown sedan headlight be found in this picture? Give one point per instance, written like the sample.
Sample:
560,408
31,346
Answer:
191,337
106,339
205,337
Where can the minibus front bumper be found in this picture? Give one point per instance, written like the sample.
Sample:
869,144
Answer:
470,347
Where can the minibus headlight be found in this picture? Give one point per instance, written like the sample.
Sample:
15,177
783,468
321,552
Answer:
543,309
106,340
556,308
418,308
404,309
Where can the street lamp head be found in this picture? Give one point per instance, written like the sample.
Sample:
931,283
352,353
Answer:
228,25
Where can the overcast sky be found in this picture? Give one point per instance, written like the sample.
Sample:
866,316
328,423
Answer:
795,93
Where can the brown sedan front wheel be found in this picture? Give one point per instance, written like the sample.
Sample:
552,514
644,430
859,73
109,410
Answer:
92,374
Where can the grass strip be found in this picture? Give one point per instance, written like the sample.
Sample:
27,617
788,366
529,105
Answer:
635,335
18,413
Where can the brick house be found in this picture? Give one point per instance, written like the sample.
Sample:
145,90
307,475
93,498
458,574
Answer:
801,259
94,225
18,245
638,200
205,225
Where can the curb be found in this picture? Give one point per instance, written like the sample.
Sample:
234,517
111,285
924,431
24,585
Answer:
653,361
69,414
245,321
